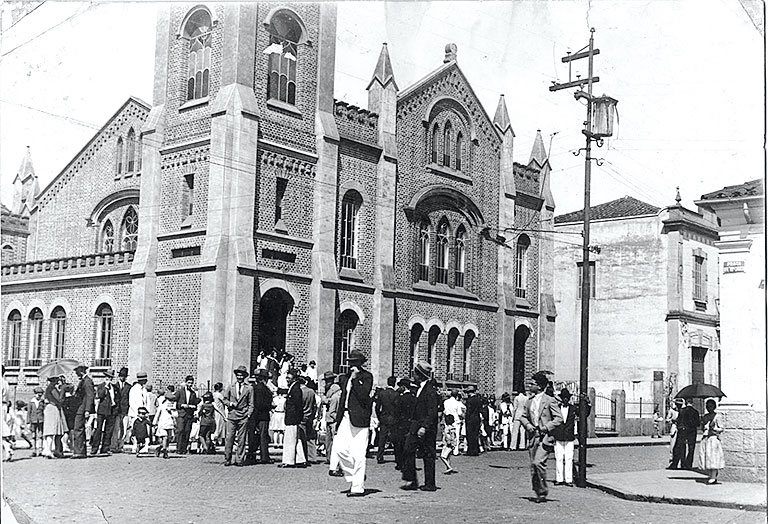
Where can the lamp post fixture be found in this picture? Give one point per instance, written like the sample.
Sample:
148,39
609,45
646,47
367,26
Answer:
599,125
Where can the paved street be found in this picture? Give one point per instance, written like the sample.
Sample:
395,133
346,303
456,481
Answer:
494,487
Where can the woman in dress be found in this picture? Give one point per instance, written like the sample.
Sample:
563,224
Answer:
277,420
54,423
220,412
711,455
164,422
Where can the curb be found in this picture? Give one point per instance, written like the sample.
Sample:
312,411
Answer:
592,445
675,500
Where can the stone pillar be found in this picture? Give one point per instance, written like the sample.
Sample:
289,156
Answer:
322,312
619,405
591,419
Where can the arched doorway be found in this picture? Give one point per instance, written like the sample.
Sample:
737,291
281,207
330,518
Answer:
518,358
274,307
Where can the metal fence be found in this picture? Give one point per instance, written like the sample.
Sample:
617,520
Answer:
605,413
639,409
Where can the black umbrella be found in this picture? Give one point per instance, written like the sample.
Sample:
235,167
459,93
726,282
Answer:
700,391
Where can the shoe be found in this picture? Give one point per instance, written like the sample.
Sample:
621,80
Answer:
336,473
239,464
671,467
227,463
428,488
569,484
165,454
158,451
410,486
379,461
78,456
286,466
712,481
448,471
558,483
268,461
355,494
397,468
541,498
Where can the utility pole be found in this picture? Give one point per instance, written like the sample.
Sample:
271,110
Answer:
594,131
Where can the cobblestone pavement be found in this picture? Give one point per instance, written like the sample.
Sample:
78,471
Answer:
492,488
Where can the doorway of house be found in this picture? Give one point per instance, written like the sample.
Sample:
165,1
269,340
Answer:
518,358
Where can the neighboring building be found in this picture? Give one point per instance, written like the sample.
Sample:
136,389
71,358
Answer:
653,307
273,216
740,211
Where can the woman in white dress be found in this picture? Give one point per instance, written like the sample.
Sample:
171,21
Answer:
219,414
54,423
164,422
711,455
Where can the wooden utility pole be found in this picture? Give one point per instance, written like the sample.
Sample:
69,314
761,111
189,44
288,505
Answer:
589,54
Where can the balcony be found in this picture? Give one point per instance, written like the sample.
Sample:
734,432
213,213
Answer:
94,263
102,363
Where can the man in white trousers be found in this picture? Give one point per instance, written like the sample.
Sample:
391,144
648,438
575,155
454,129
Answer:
565,435
353,420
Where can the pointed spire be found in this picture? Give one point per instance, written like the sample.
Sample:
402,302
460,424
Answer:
501,119
539,152
678,198
26,169
383,72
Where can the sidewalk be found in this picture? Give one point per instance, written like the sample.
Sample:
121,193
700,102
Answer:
680,487
614,442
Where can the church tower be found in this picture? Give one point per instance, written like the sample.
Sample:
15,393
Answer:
25,186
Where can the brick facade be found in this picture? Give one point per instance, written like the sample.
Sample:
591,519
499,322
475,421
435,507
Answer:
242,197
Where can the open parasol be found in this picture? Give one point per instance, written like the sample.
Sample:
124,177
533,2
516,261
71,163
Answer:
700,391
57,368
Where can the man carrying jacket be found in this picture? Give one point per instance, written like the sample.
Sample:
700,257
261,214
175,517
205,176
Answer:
353,420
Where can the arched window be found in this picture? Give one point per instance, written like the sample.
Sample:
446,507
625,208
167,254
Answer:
413,354
35,338
350,207
469,337
198,32
460,255
447,144
521,266
450,356
130,230
344,340
459,150
108,237
14,338
104,317
119,153
424,251
443,253
8,255
58,328
434,334
286,33
130,146
435,142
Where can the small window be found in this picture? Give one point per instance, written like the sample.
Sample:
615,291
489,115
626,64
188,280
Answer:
130,230
8,255
119,154
14,338
424,251
443,250
700,279
108,237
344,340
461,256
286,32
198,32
469,338
414,353
58,330
435,142
35,338
521,266
459,150
138,153
188,196
350,208
130,146
592,283
104,317
281,185
450,366
434,335
447,144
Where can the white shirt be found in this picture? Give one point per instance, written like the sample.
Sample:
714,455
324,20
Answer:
420,388
536,408
564,411
452,406
137,398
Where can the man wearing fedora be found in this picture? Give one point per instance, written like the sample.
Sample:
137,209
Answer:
122,390
137,398
84,393
405,403
564,435
262,405
331,403
106,411
239,399
293,448
186,406
541,417
352,422
422,434
472,421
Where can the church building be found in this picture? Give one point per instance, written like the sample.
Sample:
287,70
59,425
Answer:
245,209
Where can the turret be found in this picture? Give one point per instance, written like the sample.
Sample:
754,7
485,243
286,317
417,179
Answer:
501,121
382,94
25,186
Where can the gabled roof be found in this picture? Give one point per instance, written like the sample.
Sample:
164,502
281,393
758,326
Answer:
747,189
444,69
619,208
383,72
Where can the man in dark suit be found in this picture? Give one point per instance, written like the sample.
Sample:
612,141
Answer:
106,411
84,394
422,434
262,405
386,411
122,392
405,403
239,400
186,406
293,450
564,435
685,443
473,421
353,420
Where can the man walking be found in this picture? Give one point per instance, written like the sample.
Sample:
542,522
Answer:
262,405
472,424
186,406
353,419
239,400
106,411
122,390
687,425
386,410
422,434
84,393
542,415
293,449
331,402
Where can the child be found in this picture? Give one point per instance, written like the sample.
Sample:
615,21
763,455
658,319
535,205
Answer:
35,420
20,429
206,414
657,421
449,444
140,430
163,422
7,430
277,421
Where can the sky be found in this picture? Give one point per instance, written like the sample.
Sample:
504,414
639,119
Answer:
689,76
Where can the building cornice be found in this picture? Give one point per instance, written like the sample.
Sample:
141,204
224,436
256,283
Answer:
694,317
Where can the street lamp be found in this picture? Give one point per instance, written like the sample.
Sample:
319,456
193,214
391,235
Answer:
603,112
